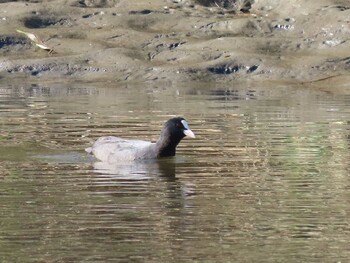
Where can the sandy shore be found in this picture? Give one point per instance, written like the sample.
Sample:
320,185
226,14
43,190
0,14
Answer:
175,40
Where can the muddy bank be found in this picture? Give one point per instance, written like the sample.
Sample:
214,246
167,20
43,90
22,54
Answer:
175,40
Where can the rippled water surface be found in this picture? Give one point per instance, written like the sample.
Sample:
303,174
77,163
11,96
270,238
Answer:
266,179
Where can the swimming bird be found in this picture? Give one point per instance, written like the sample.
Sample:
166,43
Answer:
114,149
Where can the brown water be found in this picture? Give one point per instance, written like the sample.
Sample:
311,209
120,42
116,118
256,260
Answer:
266,179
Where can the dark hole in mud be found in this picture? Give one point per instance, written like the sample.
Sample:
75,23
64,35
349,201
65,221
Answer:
42,22
141,12
87,16
176,45
341,7
230,69
241,5
252,68
6,41
224,69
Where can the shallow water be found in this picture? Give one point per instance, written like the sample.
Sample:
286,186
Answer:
266,179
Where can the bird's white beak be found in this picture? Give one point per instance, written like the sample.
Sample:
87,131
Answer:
189,133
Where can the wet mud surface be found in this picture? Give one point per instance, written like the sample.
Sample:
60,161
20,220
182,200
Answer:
176,40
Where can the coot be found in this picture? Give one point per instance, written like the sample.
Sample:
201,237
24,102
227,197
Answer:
113,149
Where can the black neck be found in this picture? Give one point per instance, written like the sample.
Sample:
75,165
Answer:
167,146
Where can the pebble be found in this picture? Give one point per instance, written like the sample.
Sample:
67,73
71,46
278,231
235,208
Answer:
332,43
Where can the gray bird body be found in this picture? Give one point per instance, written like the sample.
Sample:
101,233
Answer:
114,149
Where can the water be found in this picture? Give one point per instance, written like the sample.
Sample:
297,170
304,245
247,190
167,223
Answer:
266,179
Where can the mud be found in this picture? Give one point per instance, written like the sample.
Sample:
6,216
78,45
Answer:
176,40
